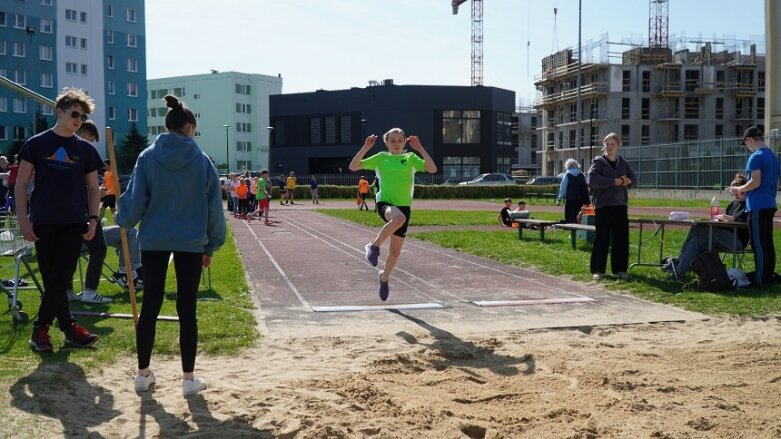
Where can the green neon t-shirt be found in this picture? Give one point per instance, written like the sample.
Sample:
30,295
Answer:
396,174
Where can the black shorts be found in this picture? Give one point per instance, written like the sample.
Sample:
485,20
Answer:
110,201
401,231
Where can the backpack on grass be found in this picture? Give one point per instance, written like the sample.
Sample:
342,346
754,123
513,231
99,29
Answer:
711,273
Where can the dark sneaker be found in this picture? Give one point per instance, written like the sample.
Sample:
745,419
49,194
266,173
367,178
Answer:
121,280
384,289
79,336
40,340
372,254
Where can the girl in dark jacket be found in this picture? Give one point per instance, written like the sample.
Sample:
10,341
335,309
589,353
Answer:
609,179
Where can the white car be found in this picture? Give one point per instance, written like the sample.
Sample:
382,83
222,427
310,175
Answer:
489,179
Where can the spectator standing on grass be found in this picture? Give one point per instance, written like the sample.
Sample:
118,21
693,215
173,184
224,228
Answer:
363,191
573,190
191,228
609,180
313,189
395,168
762,171
61,212
290,188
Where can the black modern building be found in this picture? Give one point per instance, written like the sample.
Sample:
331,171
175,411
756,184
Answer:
467,130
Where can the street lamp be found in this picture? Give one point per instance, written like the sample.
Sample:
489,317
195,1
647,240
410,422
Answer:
227,151
363,129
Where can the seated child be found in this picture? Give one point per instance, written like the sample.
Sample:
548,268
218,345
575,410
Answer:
504,215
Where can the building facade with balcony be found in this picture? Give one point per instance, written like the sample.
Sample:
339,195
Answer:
526,141
466,130
238,100
652,96
47,45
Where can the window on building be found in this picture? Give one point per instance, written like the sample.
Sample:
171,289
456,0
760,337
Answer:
3,104
594,109
571,138
561,139
345,129
132,89
625,132
551,142
243,89
179,92
20,133
83,17
83,69
504,129
456,169
504,164
47,80
132,65
718,131
719,108
461,126
20,21
719,78
130,15
20,76
625,108
112,114
533,157
83,43
19,50
70,41
70,14
675,136
3,133
692,78
109,37
3,19
761,109
761,82
646,109
315,131
646,81
46,26
626,80
111,87
690,132
330,130
593,135
645,134
110,11
691,108
71,67
47,110
132,115
45,53
20,105
132,40
744,108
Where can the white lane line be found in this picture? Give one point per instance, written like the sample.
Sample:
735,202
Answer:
517,276
279,269
487,303
306,229
351,308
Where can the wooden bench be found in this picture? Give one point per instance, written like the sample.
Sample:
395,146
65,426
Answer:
546,196
541,225
574,228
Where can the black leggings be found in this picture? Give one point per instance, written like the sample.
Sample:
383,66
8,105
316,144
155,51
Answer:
760,227
188,274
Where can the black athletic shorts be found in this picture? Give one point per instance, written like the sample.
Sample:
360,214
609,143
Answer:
110,201
401,231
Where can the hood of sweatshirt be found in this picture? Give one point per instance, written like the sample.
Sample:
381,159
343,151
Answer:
173,151
573,171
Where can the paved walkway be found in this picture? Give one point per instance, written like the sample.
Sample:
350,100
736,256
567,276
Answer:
307,270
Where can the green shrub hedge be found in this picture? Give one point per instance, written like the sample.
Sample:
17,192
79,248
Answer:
434,191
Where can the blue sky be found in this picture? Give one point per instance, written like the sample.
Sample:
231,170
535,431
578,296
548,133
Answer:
338,44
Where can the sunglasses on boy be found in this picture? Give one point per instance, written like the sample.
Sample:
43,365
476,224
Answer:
76,115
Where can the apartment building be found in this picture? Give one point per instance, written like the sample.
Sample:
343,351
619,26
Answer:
232,110
649,96
47,45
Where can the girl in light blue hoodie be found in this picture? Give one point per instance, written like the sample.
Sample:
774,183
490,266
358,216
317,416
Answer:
191,227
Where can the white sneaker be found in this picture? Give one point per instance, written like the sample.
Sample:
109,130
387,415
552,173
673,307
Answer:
142,383
88,296
73,297
597,276
192,387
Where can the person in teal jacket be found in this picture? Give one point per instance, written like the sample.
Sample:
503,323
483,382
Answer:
191,227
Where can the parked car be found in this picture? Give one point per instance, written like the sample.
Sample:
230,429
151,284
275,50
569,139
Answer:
489,179
541,181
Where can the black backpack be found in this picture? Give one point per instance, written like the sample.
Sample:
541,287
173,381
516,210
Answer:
711,273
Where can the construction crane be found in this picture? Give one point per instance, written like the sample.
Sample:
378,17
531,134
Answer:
477,38
658,23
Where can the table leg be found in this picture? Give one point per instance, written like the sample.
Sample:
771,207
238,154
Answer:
520,231
572,238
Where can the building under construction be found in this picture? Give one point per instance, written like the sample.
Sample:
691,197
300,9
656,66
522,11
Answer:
686,90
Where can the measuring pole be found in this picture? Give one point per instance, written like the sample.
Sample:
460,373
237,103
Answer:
131,286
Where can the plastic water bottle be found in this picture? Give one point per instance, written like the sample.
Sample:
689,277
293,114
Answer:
714,208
